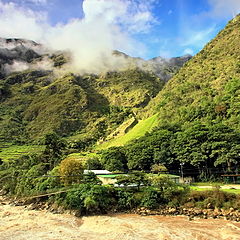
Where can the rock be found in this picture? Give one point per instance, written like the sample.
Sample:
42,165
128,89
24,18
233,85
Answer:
209,206
172,210
33,206
190,218
77,213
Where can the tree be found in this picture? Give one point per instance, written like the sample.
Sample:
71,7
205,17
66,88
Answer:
168,190
157,168
91,178
139,156
154,148
54,149
93,164
114,159
225,149
71,171
206,146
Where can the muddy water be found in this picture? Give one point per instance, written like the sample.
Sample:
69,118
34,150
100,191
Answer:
18,223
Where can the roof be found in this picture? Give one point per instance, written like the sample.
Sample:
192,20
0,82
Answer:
97,172
109,175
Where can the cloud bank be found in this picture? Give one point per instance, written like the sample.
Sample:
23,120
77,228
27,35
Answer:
107,25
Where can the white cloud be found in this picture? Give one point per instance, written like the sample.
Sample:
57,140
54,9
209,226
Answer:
17,22
134,16
35,1
16,66
224,8
107,25
188,51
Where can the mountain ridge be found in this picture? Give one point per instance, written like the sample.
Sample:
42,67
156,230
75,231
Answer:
38,100
205,78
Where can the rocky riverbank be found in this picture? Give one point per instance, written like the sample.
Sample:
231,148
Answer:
230,214
226,214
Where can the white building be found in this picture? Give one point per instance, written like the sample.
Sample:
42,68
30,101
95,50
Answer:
97,172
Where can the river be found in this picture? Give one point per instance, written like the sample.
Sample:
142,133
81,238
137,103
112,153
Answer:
18,223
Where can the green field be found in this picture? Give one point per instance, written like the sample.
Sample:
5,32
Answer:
137,131
196,188
14,152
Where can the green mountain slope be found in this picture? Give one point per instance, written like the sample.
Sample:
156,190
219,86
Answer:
207,88
36,102
139,130
196,116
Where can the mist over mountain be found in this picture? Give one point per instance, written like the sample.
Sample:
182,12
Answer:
21,54
41,92
165,68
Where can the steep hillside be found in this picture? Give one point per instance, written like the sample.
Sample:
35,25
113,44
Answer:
34,103
196,116
139,130
207,88
38,95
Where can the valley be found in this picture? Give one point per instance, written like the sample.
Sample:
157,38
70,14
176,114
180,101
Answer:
152,124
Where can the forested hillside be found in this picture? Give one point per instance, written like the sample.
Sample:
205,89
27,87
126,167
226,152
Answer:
198,113
207,87
39,95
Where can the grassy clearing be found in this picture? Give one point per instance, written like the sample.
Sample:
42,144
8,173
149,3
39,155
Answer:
14,152
195,188
236,191
207,183
137,131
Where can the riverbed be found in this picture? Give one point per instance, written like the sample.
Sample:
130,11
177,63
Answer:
19,223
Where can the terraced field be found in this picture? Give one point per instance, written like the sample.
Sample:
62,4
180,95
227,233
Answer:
12,152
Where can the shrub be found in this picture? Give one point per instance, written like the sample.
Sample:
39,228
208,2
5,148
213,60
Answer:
75,199
151,198
213,199
93,164
51,182
27,183
71,171
125,199
90,198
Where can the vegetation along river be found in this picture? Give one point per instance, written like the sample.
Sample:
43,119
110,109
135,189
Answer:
19,223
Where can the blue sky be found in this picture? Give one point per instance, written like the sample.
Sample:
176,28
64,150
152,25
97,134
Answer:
152,28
